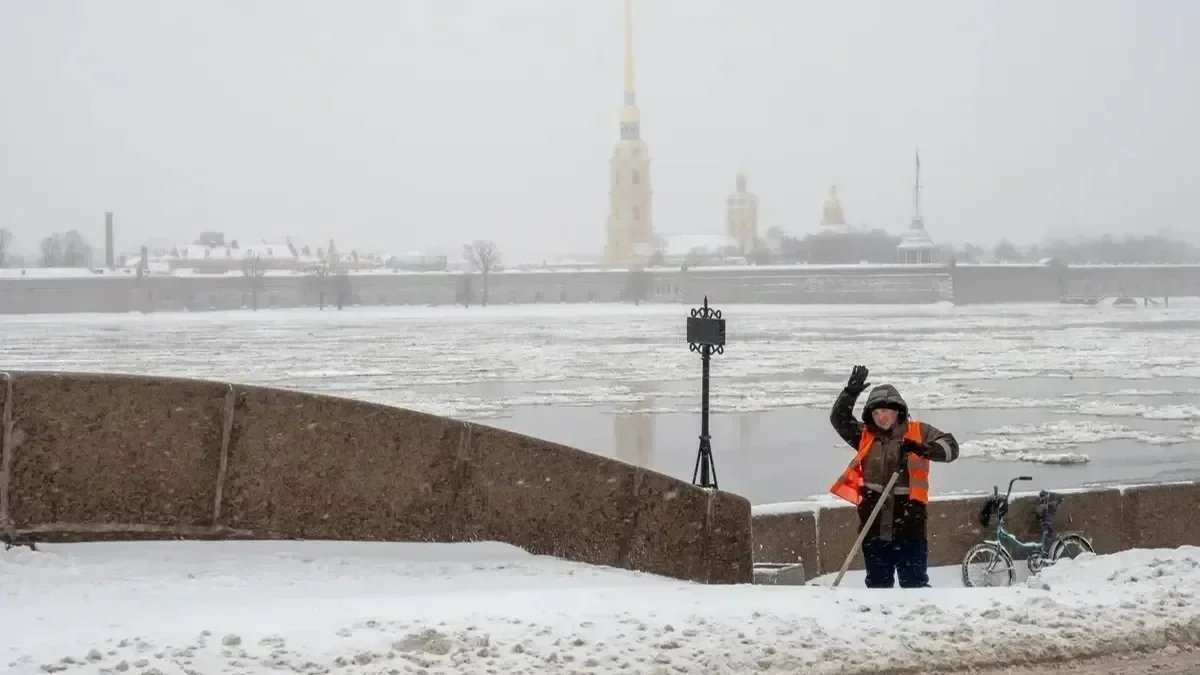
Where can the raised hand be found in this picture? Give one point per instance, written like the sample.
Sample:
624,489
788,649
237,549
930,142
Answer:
858,380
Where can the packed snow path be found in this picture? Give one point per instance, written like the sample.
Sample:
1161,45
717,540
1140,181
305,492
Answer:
1170,661
318,607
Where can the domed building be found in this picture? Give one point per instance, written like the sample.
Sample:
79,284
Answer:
837,242
833,218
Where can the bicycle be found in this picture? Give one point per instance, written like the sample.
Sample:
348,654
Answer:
994,554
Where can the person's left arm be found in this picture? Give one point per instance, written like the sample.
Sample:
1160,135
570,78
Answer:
936,445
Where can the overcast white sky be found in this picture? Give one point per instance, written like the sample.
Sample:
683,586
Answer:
409,124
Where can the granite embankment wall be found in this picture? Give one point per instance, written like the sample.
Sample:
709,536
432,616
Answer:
94,456
1116,519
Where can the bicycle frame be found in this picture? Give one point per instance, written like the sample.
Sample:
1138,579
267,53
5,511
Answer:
1003,536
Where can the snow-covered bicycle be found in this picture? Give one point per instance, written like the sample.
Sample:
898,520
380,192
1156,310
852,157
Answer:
989,562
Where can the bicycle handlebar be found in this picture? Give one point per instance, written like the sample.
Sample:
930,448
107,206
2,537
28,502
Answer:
1010,485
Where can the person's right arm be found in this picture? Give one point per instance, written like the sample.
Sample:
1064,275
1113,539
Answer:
842,418
842,415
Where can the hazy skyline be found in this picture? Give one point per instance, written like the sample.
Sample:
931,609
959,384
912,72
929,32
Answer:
395,126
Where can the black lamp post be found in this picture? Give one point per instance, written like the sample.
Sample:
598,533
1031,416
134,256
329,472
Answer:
705,334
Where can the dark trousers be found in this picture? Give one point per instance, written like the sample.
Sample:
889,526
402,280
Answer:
885,560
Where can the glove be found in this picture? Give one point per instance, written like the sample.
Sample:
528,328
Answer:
915,448
858,380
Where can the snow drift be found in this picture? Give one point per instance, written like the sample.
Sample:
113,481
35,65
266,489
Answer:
317,607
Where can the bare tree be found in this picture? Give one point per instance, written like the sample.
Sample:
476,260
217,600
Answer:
322,271
66,250
6,238
341,288
638,285
77,252
485,257
1006,251
253,271
52,250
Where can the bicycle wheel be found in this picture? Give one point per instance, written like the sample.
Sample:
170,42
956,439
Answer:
987,564
1070,546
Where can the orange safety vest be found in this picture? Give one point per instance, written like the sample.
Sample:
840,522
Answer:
848,485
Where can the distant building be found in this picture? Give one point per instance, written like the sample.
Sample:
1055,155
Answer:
221,258
741,216
211,239
630,230
833,218
837,242
677,250
916,246
417,261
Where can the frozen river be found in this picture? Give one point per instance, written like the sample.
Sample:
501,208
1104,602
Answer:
1072,395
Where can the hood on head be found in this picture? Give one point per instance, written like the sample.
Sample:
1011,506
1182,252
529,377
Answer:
885,396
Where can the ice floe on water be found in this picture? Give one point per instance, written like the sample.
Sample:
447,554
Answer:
1027,362
1056,442
1150,412
1134,393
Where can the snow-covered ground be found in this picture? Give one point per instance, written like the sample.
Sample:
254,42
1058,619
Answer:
1089,394
318,607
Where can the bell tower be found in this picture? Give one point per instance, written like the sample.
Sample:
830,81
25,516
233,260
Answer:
741,215
630,230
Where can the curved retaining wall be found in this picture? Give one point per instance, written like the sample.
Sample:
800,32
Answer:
1116,519
94,456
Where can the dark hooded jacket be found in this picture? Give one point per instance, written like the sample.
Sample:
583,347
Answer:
900,519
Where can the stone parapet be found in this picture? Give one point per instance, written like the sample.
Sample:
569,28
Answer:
99,456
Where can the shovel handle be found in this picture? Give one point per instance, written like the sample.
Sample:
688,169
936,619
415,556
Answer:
887,491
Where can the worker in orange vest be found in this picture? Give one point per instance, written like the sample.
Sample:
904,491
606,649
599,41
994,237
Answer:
887,440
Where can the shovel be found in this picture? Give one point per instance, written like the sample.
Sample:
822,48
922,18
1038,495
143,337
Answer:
887,492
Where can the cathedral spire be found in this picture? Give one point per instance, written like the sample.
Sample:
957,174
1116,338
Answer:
630,230
630,99
917,190
630,119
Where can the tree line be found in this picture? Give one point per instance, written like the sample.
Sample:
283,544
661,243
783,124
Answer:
61,249
878,246
1104,249
71,249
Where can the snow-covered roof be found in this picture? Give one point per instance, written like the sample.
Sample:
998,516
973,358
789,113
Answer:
263,251
915,239
683,244
58,273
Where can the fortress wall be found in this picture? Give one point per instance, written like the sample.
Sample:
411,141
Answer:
1156,281
976,284
834,285
795,284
